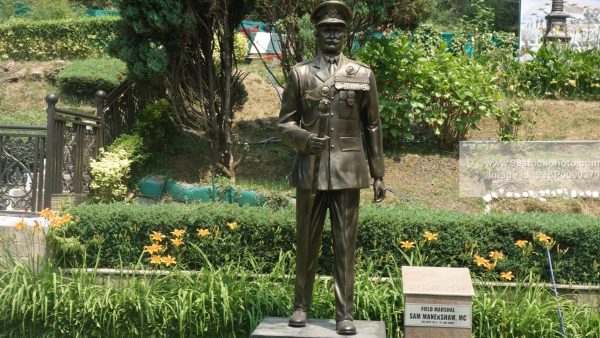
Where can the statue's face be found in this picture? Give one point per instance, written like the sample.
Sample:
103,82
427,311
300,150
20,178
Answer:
331,38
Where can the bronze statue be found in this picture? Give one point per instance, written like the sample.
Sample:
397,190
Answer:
327,103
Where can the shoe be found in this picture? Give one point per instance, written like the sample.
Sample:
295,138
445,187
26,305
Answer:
345,327
298,319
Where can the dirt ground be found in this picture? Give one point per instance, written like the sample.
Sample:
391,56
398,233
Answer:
545,120
23,88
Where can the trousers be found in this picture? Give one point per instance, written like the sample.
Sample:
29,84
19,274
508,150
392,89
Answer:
343,210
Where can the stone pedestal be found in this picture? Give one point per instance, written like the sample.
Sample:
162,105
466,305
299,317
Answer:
277,327
23,245
437,302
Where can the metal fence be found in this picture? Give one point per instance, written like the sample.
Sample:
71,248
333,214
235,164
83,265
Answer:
37,163
122,106
22,165
73,139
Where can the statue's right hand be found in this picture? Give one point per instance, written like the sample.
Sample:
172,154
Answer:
316,144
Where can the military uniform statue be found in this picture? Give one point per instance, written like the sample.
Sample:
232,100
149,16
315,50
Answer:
328,106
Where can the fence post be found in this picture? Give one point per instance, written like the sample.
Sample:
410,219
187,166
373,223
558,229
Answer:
100,102
51,160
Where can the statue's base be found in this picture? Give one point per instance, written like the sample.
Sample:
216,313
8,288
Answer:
277,327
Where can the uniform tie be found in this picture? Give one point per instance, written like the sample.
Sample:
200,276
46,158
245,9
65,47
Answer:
332,64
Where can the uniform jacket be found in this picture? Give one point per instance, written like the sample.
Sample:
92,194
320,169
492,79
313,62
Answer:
353,111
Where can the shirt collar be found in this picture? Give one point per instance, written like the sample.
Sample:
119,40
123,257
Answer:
332,59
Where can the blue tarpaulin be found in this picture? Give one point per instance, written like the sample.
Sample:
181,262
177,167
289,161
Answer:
101,12
255,26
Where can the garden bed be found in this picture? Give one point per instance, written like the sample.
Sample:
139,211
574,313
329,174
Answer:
117,234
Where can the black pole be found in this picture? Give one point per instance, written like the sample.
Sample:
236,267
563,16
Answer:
51,160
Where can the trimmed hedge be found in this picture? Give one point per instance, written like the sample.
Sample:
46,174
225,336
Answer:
23,39
120,232
85,77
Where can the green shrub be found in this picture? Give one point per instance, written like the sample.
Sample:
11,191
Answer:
240,48
474,34
153,124
110,171
27,39
100,4
51,9
561,72
132,144
120,232
7,10
85,77
421,89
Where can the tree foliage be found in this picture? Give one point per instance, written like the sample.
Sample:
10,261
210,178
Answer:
447,13
290,19
172,42
382,15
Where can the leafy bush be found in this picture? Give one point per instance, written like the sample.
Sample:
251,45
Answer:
120,232
51,9
560,72
153,124
101,4
474,34
7,10
26,39
240,48
509,118
110,171
85,77
445,93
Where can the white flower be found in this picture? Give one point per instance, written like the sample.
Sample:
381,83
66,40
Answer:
525,194
573,193
588,193
595,194
509,194
531,193
494,195
487,198
559,191
580,193
517,195
542,193
542,199
487,209
553,193
547,191
501,191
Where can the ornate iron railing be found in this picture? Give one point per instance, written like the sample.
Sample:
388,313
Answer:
73,139
39,162
22,165
121,107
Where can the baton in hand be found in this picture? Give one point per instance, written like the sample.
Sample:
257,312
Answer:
323,119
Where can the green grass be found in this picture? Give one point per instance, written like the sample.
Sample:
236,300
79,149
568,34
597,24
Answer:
230,302
26,118
23,102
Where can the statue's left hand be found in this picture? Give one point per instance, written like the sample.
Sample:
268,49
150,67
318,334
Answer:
379,190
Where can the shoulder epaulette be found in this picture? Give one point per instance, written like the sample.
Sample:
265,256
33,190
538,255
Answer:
362,64
303,63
